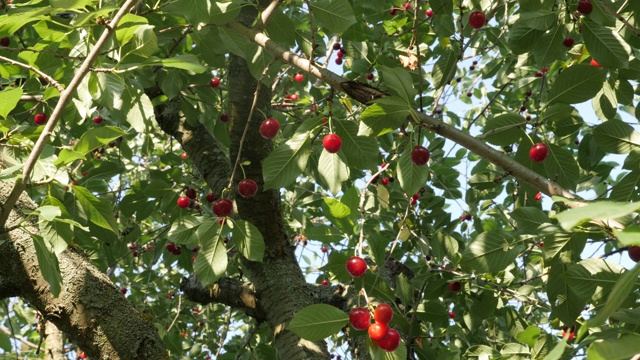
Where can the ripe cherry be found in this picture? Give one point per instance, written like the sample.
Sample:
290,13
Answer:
325,282
537,197
40,118
356,266
183,202
298,77
538,152
406,6
332,143
191,193
428,12
455,286
269,128
222,207
452,315
336,46
247,188
634,253
585,7
477,19
184,156
324,249
338,61
97,120
391,341
224,117
359,318
210,197
369,76
595,63
420,155
5,41
568,41
383,313
378,331
123,291
215,82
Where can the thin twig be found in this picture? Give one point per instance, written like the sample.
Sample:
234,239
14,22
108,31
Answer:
266,14
49,79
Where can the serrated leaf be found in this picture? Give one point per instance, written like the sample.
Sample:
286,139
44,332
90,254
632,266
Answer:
577,84
591,274
623,348
58,234
549,47
556,241
504,129
398,81
48,262
529,218
384,116
605,45
411,176
491,251
434,312
566,305
404,290
629,236
211,262
97,211
145,42
187,62
249,240
538,19
95,138
333,170
317,322
184,229
529,336
600,210
9,98
617,296
335,15
561,166
628,188
445,67
359,150
140,113
286,162
617,137
49,212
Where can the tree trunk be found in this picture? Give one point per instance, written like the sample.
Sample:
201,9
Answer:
90,310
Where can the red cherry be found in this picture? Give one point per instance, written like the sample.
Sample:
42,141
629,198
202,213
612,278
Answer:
369,76
477,19
595,63
293,97
123,291
82,354
585,7
5,41
356,266
183,202
359,318
634,253
247,188
298,77
538,152
455,286
406,6
215,82
338,61
269,128
222,207
467,217
184,156
383,313
97,120
385,181
391,341
324,249
224,117
340,54
210,197
191,193
537,197
336,46
420,155
171,247
393,12
332,143
538,74
452,315
325,282
568,41
428,12
378,331
40,118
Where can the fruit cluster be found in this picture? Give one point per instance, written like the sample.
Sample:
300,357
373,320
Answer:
388,339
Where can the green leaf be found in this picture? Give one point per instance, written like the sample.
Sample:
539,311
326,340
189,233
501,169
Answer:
600,210
529,336
93,139
248,239
404,290
561,166
48,262
333,170
566,305
589,275
317,322
538,19
285,163
504,129
359,150
398,81
411,176
605,45
68,156
629,236
58,234
557,351
490,251
556,241
211,262
549,47
434,312
529,218
616,137
140,112
184,229
623,348
384,116
49,212
187,62
145,42
98,212
522,39
577,84
617,296
628,188
335,15
9,98
445,67
69,4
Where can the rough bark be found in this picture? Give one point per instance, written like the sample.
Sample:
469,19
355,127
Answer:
54,343
90,310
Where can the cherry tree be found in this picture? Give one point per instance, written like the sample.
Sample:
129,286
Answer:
313,179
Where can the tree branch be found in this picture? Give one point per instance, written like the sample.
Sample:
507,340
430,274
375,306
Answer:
65,97
231,292
49,79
